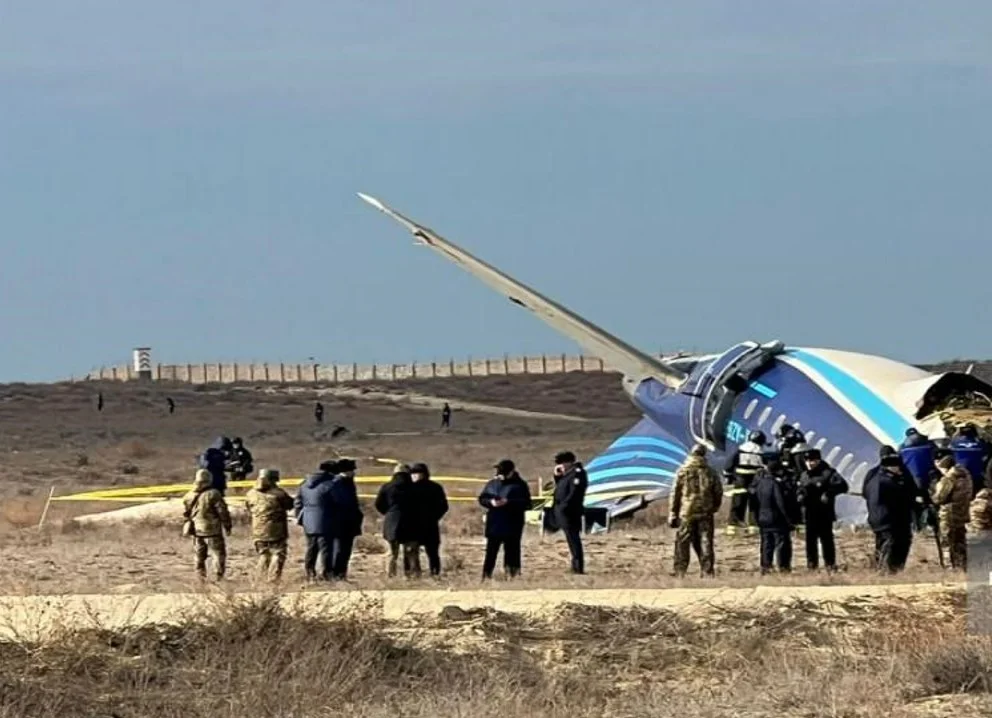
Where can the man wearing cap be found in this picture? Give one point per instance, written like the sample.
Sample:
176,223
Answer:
395,501
431,505
819,487
568,505
313,512
697,493
506,498
347,513
891,495
267,505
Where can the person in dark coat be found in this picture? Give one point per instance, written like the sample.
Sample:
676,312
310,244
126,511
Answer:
240,461
214,460
396,502
431,505
347,514
506,497
777,514
568,505
891,496
314,512
318,412
819,487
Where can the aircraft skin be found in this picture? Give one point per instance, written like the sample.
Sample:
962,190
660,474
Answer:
847,404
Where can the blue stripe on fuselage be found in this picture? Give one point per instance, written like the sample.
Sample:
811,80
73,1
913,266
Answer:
871,404
618,456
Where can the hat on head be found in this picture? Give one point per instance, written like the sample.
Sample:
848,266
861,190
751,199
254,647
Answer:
812,454
347,465
270,474
946,462
203,479
328,467
564,457
420,468
401,468
698,450
504,467
886,452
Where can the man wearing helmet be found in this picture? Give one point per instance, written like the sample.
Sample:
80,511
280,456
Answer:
740,472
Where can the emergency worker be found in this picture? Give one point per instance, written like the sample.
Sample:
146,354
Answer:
891,496
506,498
819,487
348,517
777,516
267,505
697,493
313,512
431,504
206,512
917,453
952,497
741,471
971,454
395,501
568,505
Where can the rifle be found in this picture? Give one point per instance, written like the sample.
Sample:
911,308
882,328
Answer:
933,521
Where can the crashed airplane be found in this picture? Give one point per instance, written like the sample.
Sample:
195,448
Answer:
847,404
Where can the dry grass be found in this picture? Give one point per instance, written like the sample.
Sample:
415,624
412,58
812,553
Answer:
857,658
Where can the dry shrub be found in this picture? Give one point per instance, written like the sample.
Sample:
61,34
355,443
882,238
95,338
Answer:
371,544
137,450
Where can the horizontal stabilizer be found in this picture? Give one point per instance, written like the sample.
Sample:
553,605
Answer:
616,353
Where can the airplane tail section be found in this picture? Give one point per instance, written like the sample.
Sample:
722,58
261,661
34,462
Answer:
634,470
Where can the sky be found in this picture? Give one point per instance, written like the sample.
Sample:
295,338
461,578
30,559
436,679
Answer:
687,175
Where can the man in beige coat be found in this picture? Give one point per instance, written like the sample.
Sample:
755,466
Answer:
207,511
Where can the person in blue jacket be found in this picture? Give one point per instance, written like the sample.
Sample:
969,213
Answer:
214,460
917,452
507,500
971,453
314,512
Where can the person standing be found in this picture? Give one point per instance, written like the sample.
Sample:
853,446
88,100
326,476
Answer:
697,493
777,513
171,404
741,470
431,505
318,412
446,416
314,513
891,496
348,517
568,505
506,498
207,521
267,505
214,460
971,453
952,497
395,501
241,463
819,487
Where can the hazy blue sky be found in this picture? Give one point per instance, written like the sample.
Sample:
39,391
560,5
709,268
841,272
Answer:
182,174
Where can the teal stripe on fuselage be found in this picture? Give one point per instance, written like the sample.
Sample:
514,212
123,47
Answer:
648,441
890,421
598,476
612,458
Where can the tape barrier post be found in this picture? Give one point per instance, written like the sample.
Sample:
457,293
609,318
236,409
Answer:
48,503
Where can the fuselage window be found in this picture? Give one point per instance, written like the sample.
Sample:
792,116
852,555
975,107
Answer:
764,416
750,409
821,443
809,436
848,458
778,423
859,476
832,456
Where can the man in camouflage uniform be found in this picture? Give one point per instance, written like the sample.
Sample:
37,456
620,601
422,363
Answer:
267,505
980,513
952,496
206,508
696,496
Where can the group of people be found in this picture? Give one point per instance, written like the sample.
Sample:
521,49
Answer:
226,456
412,505
778,489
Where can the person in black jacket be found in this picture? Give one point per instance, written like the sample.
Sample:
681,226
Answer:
348,518
891,495
568,505
431,504
507,500
777,514
819,487
314,513
395,501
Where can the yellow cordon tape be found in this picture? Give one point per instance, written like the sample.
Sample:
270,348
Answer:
148,494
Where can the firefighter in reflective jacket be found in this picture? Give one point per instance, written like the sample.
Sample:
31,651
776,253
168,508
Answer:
744,465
